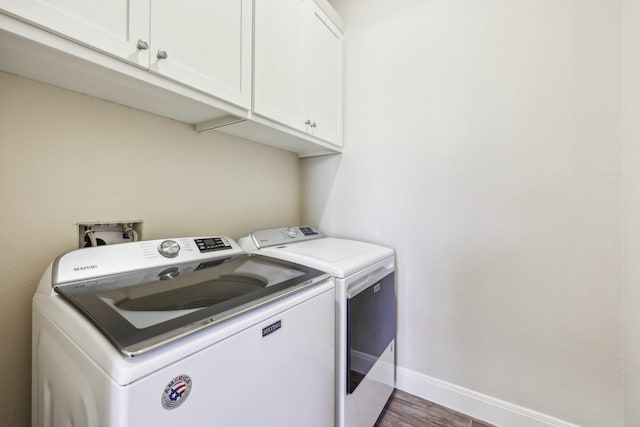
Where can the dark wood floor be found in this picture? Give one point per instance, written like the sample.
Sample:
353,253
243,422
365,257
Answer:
407,410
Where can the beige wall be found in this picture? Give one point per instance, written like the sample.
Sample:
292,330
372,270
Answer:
482,142
67,158
631,185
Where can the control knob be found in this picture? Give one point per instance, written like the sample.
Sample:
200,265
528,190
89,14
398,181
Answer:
169,249
292,232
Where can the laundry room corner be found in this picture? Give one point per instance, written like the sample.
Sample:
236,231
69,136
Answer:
482,144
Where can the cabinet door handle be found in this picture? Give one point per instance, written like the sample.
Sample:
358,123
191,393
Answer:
308,122
313,125
162,54
142,45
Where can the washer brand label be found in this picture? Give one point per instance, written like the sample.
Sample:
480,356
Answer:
85,267
176,392
271,328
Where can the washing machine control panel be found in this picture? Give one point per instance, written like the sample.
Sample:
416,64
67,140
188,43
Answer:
109,260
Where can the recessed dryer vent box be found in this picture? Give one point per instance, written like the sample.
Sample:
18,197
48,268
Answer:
109,232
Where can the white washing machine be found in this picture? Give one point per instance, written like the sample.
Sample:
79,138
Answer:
365,317
187,331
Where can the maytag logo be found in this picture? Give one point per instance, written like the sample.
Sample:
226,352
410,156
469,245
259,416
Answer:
271,328
85,267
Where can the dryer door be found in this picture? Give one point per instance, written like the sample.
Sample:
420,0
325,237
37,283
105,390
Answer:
371,326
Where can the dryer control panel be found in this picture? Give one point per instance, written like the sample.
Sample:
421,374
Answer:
278,236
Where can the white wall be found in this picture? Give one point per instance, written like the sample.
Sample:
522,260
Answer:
631,186
482,142
67,158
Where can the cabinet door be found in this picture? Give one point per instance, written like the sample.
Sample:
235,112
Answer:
113,26
280,67
207,45
326,77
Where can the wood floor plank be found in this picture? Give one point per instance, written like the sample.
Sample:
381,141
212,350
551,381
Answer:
407,410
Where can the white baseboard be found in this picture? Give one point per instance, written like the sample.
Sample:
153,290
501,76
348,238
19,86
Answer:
472,403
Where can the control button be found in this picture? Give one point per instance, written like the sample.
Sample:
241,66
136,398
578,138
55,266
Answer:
307,231
292,232
169,249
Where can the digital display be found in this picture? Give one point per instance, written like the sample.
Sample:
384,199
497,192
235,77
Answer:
212,244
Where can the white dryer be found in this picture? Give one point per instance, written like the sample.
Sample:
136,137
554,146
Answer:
366,312
187,331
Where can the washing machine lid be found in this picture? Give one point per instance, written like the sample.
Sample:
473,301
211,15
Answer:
143,309
305,245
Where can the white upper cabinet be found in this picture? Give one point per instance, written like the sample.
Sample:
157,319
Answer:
325,99
113,26
269,71
298,68
205,44
280,63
